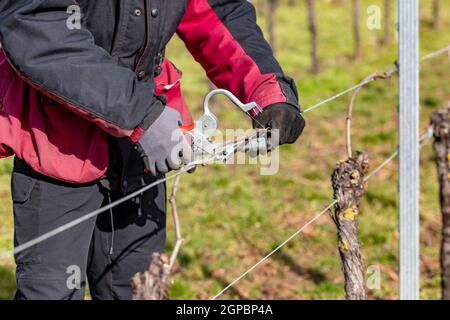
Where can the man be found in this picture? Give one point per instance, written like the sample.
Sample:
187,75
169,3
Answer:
87,110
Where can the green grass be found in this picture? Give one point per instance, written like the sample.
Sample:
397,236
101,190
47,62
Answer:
231,216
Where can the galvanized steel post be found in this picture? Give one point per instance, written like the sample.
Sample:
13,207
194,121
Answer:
408,20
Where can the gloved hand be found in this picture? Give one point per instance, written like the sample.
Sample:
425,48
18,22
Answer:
285,121
163,146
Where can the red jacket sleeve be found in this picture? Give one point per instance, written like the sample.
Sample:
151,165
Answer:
224,38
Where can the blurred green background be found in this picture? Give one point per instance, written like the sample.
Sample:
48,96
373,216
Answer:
231,216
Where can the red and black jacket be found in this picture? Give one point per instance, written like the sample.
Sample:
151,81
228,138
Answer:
76,86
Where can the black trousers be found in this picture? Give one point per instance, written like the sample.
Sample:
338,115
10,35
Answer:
109,249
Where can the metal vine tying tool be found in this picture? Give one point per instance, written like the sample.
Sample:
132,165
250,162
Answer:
207,125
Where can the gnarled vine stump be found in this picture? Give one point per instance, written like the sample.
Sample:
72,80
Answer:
154,283
440,120
349,187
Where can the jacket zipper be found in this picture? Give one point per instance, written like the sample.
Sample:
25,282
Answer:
146,43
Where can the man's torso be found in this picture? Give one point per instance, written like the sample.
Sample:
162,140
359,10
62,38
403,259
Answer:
135,32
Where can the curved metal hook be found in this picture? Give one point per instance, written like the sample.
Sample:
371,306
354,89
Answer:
245,107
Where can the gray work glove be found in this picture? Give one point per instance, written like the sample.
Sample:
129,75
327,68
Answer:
163,146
